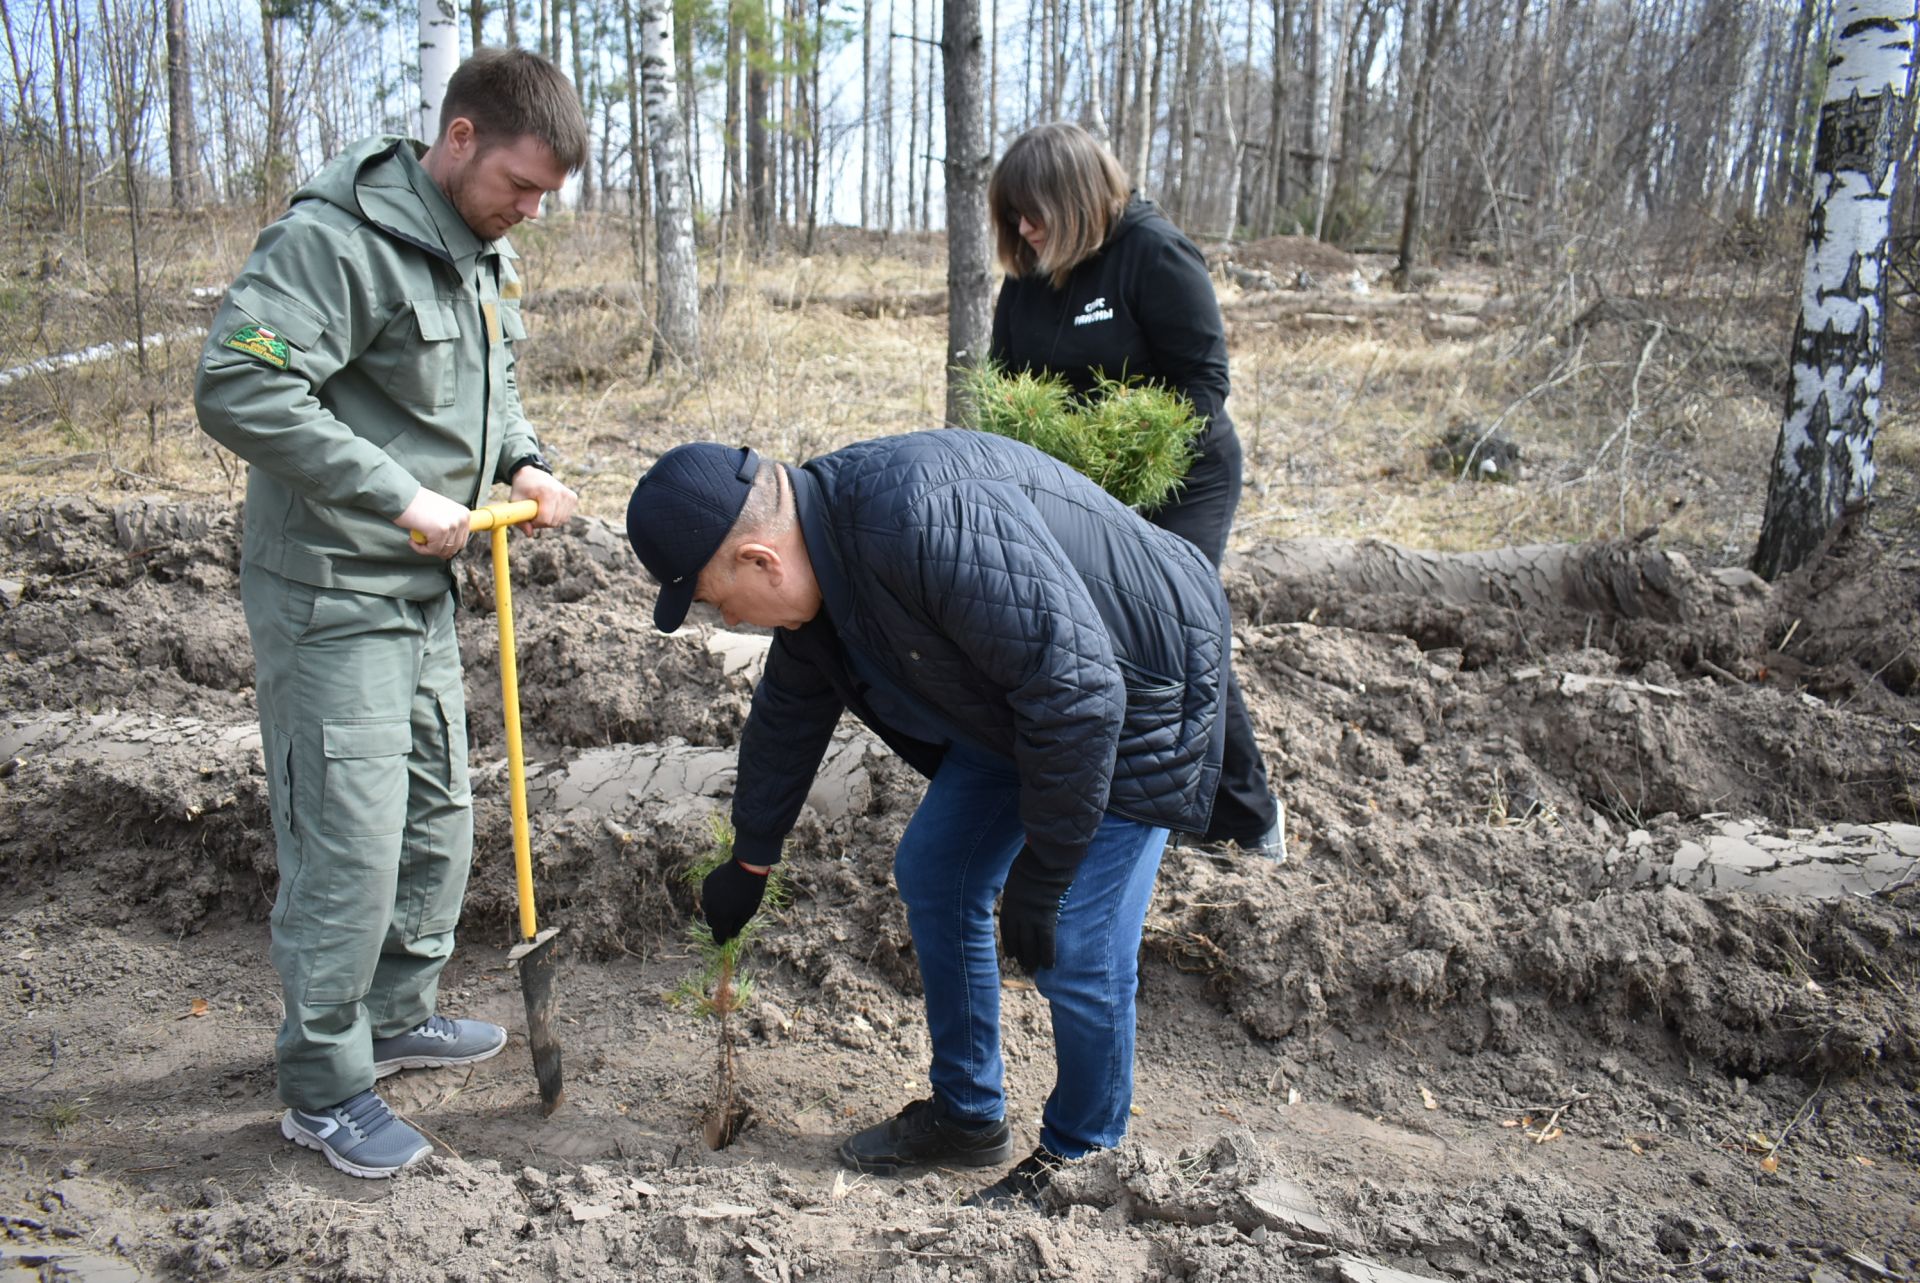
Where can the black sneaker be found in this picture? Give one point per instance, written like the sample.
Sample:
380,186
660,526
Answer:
1273,843
1021,1187
925,1134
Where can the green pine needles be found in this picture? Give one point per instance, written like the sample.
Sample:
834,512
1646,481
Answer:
720,987
1135,439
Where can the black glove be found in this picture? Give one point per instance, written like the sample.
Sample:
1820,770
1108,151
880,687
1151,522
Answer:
1029,909
729,897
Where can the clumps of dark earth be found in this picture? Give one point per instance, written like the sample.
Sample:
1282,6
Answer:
1595,958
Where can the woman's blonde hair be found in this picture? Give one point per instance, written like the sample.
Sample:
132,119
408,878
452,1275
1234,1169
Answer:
1062,179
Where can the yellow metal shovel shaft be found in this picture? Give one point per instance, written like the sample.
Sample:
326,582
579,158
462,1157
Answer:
498,519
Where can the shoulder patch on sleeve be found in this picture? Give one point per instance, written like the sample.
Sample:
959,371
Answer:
258,340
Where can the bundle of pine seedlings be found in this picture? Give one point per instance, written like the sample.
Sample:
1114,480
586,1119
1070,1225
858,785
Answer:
1135,439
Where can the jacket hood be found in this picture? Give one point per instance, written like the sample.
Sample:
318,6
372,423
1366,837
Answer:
381,181
1139,209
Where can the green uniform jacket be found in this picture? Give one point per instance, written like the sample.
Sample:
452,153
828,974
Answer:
365,351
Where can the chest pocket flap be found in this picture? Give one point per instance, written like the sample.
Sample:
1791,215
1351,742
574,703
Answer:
512,323
437,320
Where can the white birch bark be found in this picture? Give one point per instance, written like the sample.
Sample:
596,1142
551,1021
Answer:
439,55
676,338
1823,463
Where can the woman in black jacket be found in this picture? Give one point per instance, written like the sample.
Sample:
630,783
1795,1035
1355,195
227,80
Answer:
1098,281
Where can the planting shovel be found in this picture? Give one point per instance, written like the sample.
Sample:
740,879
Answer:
535,952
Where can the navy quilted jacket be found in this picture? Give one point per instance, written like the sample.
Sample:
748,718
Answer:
1010,600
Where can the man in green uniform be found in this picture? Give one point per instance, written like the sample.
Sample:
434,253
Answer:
363,364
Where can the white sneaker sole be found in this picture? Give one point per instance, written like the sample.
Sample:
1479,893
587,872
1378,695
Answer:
301,1136
382,1068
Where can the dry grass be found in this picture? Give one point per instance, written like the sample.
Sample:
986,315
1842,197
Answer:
1621,425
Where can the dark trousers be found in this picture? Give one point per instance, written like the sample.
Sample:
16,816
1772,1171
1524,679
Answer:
1202,513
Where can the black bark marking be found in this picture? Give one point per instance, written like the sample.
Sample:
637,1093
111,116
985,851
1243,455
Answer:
1856,136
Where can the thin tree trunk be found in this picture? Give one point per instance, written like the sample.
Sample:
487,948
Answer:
889,163
513,23
689,103
1146,70
1436,29
761,170
1323,165
638,204
182,185
1090,62
926,155
1793,128
1278,156
1823,464
866,112
913,113
477,21
676,338
1230,212
1191,58
816,126
270,165
731,158
585,89
993,74
969,257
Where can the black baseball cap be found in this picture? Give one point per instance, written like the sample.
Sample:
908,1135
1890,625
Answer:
680,514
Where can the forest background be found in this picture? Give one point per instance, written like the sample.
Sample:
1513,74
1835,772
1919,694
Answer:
1563,156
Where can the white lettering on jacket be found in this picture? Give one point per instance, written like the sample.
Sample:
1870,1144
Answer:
1094,311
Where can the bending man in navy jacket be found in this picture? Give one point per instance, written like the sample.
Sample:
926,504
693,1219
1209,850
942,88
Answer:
1049,660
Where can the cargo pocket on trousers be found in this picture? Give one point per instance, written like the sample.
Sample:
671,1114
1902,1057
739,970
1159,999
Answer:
365,792
453,719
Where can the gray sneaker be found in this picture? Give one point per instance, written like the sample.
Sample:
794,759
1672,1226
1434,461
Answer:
360,1136
436,1045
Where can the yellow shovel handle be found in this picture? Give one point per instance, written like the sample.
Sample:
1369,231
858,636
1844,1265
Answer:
498,518
496,515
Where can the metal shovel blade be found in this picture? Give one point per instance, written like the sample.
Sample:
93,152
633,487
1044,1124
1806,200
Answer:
536,959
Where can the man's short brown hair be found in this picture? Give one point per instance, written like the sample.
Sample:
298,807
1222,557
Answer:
511,94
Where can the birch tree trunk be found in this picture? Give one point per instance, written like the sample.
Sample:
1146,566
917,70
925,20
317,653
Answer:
969,259
1094,89
439,55
1823,464
676,326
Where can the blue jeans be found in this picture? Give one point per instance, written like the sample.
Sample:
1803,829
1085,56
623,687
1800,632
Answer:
950,867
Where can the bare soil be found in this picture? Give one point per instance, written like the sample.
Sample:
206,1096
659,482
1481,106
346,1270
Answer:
1472,1030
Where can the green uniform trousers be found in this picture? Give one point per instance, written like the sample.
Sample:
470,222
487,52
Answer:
363,723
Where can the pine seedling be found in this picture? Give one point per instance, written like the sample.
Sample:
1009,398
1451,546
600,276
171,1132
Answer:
720,986
1145,435
1134,439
